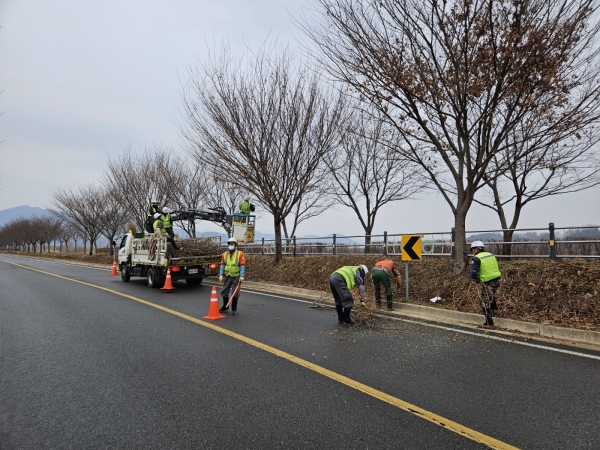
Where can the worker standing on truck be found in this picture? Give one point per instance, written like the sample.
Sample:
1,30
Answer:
382,274
341,282
154,208
166,218
231,274
245,206
159,228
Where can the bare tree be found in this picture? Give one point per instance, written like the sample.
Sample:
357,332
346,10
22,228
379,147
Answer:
49,228
311,204
367,174
265,127
135,180
83,208
192,186
113,219
456,77
550,163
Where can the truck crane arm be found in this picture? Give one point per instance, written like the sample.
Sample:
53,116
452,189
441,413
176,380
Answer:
217,215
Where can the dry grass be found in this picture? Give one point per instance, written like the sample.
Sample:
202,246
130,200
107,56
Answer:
564,293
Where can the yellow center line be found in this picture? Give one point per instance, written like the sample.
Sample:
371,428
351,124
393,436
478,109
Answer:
415,410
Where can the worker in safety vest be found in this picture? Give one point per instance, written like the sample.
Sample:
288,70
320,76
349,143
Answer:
231,274
159,228
341,282
166,218
245,207
154,208
484,270
382,274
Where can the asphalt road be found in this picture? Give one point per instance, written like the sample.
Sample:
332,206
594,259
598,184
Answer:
90,362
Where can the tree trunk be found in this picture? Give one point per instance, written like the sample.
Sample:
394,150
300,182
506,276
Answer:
461,260
278,251
367,241
507,236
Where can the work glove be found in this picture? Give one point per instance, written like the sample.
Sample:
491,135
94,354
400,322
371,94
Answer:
362,303
241,279
220,278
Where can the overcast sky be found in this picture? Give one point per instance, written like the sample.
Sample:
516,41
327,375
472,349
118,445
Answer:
82,80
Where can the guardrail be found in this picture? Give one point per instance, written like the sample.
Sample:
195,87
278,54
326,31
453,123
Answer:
552,242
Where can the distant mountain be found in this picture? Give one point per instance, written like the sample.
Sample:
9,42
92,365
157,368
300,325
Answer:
485,237
25,212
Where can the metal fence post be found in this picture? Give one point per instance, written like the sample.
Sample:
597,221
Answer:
453,249
294,245
552,246
333,248
262,248
384,243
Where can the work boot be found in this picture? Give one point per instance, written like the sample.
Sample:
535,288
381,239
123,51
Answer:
340,313
378,303
347,319
224,307
389,303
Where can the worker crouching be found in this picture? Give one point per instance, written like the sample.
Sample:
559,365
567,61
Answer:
231,274
341,282
382,274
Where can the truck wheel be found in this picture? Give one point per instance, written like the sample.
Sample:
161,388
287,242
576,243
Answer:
125,275
155,280
193,281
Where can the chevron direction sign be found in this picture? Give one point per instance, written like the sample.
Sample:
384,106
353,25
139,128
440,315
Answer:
411,248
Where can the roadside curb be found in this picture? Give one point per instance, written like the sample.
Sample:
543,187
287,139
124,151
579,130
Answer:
443,315
567,335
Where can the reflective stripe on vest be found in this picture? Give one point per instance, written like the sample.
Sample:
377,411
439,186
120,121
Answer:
488,269
232,264
348,272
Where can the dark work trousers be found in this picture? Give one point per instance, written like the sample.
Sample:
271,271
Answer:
230,285
488,299
342,296
379,277
171,241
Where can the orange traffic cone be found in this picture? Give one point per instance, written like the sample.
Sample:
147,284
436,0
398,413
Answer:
213,310
168,284
114,268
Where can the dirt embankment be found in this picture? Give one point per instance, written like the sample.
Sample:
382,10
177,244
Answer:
563,293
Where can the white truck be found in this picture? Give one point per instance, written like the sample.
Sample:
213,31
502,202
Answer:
150,256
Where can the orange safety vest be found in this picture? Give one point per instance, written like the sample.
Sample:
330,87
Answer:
388,263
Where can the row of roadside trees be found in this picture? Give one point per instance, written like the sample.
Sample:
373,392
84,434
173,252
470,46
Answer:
489,101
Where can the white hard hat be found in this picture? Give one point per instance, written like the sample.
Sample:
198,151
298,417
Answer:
157,215
365,269
154,201
247,198
477,244
166,210
231,240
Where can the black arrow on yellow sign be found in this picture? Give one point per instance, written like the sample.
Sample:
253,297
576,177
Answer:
408,252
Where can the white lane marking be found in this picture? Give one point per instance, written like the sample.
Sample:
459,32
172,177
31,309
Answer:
457,330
